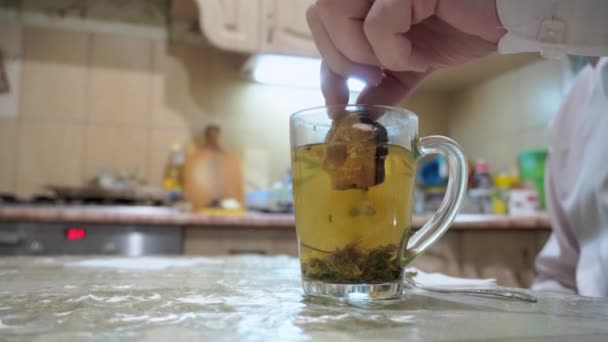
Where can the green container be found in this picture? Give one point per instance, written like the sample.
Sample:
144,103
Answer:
532,171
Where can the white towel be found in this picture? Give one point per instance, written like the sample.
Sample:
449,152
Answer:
439,280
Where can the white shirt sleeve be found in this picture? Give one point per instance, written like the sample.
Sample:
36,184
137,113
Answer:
556,263
574,259
554,27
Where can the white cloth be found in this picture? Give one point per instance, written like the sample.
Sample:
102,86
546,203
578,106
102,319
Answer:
575,259
579,26
442,281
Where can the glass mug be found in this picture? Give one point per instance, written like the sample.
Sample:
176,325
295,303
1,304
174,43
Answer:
353,191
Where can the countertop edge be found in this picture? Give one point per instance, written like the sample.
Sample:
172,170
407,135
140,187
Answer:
167,217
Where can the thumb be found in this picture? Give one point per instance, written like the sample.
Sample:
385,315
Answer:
335,91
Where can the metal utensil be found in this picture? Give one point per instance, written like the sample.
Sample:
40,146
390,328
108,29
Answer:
489,293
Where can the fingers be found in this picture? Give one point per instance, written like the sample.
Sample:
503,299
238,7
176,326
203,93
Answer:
335,59
346,8
385,27
477,18
343,20
335,90
348,36
360,38
445,46
393,89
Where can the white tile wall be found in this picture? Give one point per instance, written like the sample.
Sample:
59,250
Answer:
498,118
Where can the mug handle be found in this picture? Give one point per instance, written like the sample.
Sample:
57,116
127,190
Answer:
457,184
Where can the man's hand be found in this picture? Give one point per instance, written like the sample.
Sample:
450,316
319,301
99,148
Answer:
393,44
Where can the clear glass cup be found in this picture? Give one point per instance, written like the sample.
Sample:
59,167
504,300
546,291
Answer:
353,187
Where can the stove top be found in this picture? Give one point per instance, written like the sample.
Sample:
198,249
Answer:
12,199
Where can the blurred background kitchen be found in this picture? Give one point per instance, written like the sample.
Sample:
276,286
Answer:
161,127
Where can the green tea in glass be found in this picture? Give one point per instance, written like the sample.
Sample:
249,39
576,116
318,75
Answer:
353,180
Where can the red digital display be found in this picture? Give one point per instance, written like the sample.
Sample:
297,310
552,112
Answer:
75,233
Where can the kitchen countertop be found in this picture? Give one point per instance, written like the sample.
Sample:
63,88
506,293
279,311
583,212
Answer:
255,299
166,216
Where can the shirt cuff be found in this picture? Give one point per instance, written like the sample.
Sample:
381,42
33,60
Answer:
553,27
523,20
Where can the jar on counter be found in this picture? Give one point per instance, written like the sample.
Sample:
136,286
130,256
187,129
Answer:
532,172
500,198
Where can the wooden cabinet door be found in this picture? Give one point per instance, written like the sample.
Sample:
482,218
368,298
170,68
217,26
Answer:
231,24
284,28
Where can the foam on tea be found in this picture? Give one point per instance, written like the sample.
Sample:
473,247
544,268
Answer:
353,197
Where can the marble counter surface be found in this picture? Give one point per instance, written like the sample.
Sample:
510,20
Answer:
251,298
166,216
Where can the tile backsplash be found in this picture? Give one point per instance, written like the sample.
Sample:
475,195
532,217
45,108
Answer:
49,153
120,80
91,100
54,76
498,118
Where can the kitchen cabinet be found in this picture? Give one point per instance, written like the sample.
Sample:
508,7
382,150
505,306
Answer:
258,26
216,240
284,28
506,255
231,24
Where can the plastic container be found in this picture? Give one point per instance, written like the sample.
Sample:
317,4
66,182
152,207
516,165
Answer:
173,178
483,188
523,202
483,180
500,199
433,173
532,172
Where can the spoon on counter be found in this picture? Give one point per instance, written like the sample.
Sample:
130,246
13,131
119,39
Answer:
488,293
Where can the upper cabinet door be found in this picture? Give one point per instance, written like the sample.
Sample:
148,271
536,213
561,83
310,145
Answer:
231,24
284,28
